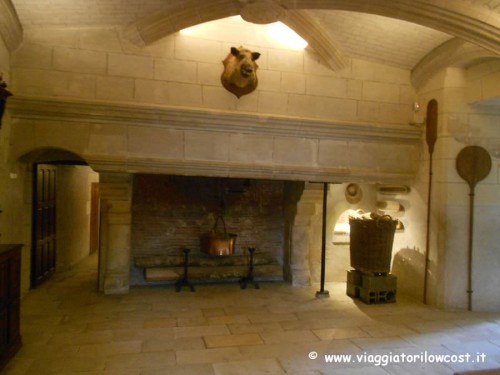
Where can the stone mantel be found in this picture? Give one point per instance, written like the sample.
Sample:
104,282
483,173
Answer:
114,137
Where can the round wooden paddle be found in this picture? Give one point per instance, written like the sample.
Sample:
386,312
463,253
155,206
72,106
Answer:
473,165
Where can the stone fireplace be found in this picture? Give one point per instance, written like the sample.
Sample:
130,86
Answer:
140,151
169,213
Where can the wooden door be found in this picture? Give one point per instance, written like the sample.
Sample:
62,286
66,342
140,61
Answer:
43,253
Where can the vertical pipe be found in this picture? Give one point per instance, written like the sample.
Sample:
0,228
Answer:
322,292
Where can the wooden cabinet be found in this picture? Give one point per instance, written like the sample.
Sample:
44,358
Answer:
10,278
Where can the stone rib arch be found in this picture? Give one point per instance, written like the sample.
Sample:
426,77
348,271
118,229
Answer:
174,18
11,30
451,17
455,53
309,29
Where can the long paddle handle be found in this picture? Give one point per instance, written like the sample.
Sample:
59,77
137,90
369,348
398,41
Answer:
469,258
427,238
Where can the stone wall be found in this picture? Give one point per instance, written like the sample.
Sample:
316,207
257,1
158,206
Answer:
73,201
162,109
462,124
183,70
15,183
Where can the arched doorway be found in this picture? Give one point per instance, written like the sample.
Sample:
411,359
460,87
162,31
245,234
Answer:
61,211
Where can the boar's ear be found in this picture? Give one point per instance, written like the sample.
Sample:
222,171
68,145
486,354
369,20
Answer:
235,51
255,55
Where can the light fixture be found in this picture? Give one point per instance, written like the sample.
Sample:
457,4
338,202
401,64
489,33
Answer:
277,32
416,123
286,36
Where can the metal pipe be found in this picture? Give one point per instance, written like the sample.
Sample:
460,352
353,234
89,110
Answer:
322,292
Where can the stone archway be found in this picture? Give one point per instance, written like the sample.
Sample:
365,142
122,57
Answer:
57,184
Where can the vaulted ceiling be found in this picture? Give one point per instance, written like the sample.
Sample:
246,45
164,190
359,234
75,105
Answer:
418,35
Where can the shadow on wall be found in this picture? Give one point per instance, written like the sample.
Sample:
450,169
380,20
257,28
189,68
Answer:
408,265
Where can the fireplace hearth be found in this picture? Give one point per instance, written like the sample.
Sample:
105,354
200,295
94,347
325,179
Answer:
171,213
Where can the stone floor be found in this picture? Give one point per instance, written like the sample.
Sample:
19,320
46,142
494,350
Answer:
69,328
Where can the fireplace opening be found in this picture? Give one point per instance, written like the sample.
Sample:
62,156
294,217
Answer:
171,213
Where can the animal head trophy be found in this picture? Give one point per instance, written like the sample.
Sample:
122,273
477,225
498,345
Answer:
240,71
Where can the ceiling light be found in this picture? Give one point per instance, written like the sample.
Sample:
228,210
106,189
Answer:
189,31
277,32
286,36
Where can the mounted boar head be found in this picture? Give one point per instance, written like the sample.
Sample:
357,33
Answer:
240,71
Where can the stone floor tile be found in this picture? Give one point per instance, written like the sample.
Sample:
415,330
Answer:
288,337
273,350
263,317
387,330
191,322
207,355
143,334
433,326
254,328
212,312
316,324
96,337
115,324
418,369
159,323
200,331
110,348
340,333
45,351
66,365
187,343
395,342
197,369
140,360
368,370
246,367
118,371
233,340
430,339
228,319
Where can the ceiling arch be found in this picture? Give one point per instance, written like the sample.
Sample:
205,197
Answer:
452,17
309,29
455,52
11,30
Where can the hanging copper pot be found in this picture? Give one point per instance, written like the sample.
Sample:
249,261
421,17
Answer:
218,243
